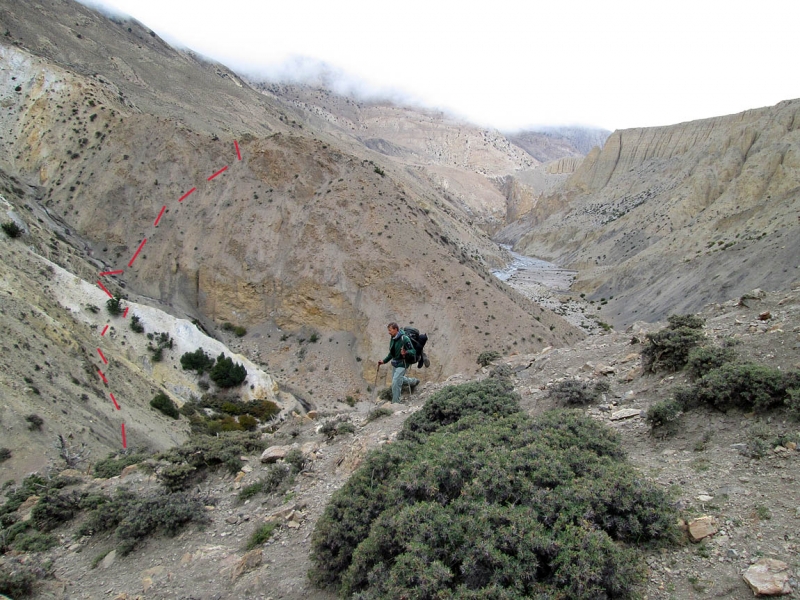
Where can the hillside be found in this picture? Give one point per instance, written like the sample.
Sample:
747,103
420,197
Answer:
668,219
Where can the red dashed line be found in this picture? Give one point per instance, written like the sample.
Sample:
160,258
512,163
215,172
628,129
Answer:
102,287
158,218
139,249
130,264
222,170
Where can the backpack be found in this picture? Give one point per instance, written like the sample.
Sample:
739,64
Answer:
418,341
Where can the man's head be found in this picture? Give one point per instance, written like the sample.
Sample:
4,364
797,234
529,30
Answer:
393,328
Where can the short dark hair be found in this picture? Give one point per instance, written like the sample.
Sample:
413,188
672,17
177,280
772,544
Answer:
392,325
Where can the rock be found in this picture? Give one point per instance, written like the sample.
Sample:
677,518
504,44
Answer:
237,481
625,413
702,527
108,559
232,520
765,316
249,561
128,470
705,498
630,357
274,453
293,524
768,577
309,448
312,414
26,508
604,370
791,445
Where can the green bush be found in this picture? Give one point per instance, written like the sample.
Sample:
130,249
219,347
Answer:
19,575
12,229
204,452
663,414
197,361
669,348
248,422
5,454
577,393
226,373
114,306
492,397
279,477
261,534
377,413
503,507
487,357
747,386
164,404
34,541
113,465
239,331
55,508
706,358
136,324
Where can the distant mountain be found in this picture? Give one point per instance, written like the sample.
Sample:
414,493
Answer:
547,144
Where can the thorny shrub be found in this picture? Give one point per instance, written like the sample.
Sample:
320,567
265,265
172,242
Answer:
668,349
577,393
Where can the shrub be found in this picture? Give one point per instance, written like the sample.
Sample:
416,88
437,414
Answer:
504,507
706,358
577,393
669,348
487,357
55,508
19,575
12,229
278,477
136,324
663,414
5,454
747,386
491,397
377,413
113,464
295,459
248,422
226,373
35,422
164,403
114,306
792,402
261,534
34,541
239,331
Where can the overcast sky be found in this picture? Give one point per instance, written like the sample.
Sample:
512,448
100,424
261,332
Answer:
511,63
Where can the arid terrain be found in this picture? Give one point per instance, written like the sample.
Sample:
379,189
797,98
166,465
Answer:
284,226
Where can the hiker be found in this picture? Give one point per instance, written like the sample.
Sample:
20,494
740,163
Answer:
401,354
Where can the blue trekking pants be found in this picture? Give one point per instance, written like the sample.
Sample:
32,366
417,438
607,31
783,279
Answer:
399,379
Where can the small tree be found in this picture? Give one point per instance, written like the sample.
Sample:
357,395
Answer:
12,229
197,361
226,373
114,306
136,324
163,403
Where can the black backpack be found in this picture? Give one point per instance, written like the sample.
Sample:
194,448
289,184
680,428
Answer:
418,341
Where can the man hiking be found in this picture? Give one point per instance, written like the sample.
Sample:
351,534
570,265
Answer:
401,354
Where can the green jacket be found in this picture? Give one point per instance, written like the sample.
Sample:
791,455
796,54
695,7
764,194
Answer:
397,343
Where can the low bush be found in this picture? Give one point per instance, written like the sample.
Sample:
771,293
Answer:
377,413
487,357
114,306
136,324
261,534
491,397
492,506
5,454
337,426
197,361
55,508
226,373
163,403
19,575
35,422
113,464
664,414
706,358
34,541
792,402
747,386
203,452
577,393
12,229
237,330
669,348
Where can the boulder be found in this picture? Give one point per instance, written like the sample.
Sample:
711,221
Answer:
275,453
702,527
768,577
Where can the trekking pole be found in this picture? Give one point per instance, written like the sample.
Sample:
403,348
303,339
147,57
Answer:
375,387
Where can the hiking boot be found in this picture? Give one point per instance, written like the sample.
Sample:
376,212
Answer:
425,360
412,386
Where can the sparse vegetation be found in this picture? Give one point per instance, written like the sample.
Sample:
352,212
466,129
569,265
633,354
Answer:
114,306
113,464
197,361
136,324
5,454
35,422
261,535
573,392
377,413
